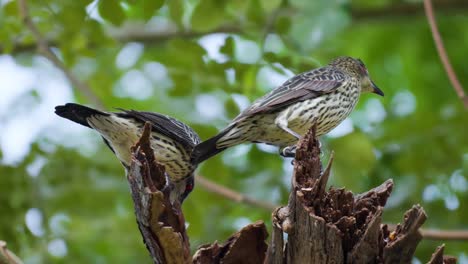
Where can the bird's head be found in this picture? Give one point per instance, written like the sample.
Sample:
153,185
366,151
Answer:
356,68
182,189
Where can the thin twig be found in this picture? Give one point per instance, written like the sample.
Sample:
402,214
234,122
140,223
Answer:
45,50
6,256
405,9
134,33
433,234
437,234
443,53
231,194
430,234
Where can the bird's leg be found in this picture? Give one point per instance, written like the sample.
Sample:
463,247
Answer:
282,122
167,189
289,151
290,131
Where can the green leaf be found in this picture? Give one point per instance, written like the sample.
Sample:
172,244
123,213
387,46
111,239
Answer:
270,5
208,15
283,25
228,47
255,13
176,11
360,162
231,108
182,84
11,8
111,11
192,51
150,7
249,80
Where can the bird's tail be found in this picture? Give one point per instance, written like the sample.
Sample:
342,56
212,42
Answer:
207,149
77,113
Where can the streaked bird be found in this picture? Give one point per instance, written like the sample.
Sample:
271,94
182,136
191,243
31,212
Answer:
324,96
171,140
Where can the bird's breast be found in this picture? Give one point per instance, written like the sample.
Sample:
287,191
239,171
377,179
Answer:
326,111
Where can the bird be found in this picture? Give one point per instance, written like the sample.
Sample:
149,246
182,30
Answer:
323,97
171,140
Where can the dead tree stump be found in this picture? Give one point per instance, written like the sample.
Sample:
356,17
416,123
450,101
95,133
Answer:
331,226
336,226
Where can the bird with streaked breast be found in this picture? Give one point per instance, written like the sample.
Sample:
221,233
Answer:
323,97
171,140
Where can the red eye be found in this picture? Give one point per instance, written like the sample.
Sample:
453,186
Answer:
189,187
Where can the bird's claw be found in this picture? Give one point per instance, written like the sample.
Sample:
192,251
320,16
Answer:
288,152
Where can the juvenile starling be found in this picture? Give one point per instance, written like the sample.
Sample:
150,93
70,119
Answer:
172,140
323,96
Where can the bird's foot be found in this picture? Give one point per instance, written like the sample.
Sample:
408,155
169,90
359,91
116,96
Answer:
167,189
288,152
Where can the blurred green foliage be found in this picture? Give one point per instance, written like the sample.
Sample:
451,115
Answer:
201,61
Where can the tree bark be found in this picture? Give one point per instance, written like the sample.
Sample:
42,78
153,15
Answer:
439,258
331,226
246,246
161,223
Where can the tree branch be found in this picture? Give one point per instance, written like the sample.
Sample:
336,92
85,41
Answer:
6,256
434,234
437,234
231,194
134,33
443,54
223,191
45,50
409,10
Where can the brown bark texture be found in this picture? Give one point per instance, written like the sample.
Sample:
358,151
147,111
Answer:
162,224
333,226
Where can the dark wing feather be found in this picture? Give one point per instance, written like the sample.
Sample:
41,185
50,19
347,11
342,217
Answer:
166,125
301,87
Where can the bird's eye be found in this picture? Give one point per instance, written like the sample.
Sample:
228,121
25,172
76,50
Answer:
188,187
362,67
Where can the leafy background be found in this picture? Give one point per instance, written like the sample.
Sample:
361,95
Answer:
63,195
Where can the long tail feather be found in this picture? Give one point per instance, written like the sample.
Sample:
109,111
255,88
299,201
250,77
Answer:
206,149
77,113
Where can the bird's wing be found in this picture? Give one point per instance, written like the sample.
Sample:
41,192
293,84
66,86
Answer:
165,125
301,87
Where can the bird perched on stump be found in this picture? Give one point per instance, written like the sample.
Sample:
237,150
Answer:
323,97
171,140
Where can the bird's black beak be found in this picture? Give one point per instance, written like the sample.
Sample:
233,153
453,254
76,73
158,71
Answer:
376,89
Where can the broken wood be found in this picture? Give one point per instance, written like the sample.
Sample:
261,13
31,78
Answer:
439,258
336,226
333,226
247,246
162,224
